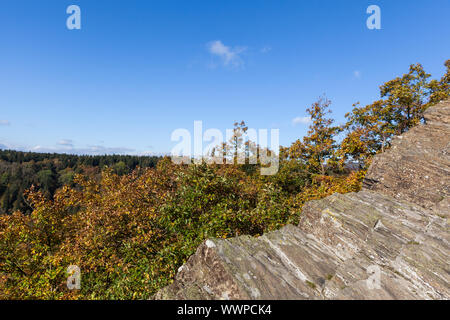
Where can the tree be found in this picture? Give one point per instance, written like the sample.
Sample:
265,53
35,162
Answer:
47,180
120,168
319,145
406,98
235,148
369,130
440,90
403,101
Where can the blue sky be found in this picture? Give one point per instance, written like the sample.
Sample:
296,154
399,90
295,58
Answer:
138,70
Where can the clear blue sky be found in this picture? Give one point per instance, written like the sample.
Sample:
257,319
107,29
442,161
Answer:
137,70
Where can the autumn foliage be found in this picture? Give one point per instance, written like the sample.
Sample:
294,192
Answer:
129,233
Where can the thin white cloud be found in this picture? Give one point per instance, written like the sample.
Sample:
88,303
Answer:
5,123
229,56
147,153
67,146
301,120
66,142
357,74
266,49
89,150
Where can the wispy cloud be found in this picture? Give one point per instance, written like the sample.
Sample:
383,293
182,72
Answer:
229,56
89,150
68,146
92,150
5,123
357,74
301,120
266,49
65,142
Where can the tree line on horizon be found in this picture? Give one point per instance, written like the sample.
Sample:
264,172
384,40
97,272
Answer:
129,233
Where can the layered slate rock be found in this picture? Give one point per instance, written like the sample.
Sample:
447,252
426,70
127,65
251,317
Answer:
389,242
341,244
417,166
367,231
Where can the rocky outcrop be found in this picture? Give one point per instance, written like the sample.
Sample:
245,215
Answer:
389,241
417,166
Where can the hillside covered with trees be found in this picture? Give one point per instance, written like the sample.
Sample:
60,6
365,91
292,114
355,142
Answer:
129,232
49,172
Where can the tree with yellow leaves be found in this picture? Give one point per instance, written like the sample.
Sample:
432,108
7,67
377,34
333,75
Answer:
403,101
318,147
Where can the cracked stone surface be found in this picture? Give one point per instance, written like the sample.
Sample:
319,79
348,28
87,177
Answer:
417,166
389,241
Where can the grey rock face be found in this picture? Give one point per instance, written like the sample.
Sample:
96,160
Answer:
417,166
389,242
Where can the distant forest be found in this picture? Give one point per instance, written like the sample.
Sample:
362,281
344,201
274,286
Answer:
47,171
